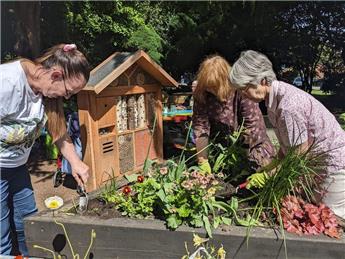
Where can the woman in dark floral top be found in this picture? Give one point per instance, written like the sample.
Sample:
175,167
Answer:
219,111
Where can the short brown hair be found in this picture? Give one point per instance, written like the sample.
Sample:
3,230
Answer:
213,74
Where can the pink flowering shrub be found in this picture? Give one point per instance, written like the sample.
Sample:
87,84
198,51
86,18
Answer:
305,218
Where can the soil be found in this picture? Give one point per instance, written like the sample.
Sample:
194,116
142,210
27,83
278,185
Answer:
99,208
41,172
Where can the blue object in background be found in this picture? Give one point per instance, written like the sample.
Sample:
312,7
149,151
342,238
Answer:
73,130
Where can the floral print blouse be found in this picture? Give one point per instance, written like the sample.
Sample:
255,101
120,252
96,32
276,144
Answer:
223,118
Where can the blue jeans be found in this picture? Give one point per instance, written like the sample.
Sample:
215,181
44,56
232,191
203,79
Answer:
17,202
66,166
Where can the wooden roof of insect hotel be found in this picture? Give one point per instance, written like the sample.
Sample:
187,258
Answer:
111,68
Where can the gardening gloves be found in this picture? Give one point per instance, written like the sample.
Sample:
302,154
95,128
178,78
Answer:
257,180
204,166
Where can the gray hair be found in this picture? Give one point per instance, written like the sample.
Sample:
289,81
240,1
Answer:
251,68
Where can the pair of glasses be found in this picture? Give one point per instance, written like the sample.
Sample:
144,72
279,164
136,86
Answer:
68,93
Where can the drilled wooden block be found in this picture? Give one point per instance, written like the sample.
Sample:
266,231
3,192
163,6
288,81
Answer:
151,107
126,153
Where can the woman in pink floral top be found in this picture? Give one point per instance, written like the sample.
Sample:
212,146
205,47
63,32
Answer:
299,120
218,109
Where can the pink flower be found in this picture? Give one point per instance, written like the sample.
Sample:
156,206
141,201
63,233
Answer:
301,217
188,185
333,232
195,174
163,170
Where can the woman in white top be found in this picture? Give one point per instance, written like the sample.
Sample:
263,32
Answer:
30,95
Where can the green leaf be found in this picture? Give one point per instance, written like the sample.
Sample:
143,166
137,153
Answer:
223,205
197,222
216,222
183,211
205,208
219,206
131,177
219,162
226,221
180,169
207,225
147,164
248,222
173,222
161,195
168,187
234,203
193,168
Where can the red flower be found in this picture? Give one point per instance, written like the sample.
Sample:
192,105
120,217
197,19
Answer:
140,178
126,190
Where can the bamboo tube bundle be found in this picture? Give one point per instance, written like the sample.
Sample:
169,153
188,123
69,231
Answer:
131,107
141,111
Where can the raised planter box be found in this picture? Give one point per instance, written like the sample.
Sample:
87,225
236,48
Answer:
129,238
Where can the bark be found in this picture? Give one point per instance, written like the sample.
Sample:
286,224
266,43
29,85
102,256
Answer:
27,28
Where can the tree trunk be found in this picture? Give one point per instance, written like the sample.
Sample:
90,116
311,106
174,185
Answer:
27,28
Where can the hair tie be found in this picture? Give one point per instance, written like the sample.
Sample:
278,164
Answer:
69,47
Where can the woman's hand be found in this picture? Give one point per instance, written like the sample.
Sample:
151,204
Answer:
80,172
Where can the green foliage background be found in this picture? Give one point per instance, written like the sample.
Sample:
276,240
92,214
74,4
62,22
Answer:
180,34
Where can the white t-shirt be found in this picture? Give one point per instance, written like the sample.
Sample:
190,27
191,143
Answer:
21,116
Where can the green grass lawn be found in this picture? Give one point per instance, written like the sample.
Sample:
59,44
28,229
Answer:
315,92
333,102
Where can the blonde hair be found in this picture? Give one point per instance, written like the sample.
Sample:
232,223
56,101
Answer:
213,74
74,64
56,123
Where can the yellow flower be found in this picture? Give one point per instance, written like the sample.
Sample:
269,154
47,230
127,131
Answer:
53,205
221,253
211,191
198,240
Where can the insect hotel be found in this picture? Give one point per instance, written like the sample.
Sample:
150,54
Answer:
120,115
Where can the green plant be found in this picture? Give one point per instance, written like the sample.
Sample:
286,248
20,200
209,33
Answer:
297,174
176,194
74,255
230,159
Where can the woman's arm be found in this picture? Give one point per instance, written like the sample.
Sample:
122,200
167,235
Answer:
261,149
201,129
80,170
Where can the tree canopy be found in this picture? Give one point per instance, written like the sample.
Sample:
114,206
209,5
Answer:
179,35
